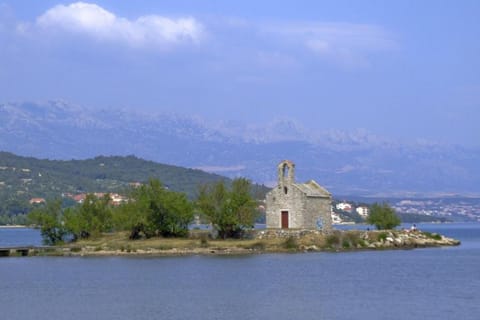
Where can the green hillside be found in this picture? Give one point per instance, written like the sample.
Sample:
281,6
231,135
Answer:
24,178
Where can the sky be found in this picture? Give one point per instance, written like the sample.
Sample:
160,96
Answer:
404,70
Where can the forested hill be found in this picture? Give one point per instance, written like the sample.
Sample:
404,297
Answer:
24,178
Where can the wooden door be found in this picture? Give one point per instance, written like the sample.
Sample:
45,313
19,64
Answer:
284,219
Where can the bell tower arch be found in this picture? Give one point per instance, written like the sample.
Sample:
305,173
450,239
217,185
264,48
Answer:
286,174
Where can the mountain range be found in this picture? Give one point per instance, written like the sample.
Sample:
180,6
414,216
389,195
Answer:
346,163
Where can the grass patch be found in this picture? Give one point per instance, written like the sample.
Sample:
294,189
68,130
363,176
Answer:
434,236
258,245
382,236
362,243
164,247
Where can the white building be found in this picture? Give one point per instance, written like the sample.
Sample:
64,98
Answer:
362,211
344,206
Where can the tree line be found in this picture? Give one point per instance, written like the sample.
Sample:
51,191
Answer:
151,211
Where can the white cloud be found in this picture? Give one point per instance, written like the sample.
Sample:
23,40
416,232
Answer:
346,43
96,22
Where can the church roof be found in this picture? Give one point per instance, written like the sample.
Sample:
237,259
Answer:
312,189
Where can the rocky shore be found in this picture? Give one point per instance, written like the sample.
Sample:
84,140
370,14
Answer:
356,239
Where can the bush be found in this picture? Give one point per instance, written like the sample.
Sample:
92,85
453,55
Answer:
362,243
434,236
204,241
290,243
334,239
352,237
382,236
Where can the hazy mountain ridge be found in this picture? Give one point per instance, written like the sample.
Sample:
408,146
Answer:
345,162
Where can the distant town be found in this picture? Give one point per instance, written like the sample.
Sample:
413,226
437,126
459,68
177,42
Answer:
432,209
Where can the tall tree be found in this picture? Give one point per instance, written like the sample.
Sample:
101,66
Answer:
229,210
51,220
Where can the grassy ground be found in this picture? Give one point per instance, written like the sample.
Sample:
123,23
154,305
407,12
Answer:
120,242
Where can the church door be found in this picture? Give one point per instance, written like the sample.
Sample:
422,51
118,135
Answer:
284,219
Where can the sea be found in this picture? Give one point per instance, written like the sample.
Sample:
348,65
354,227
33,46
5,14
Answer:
428,283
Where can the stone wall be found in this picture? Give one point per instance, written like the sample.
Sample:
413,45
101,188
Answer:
292,201
318,209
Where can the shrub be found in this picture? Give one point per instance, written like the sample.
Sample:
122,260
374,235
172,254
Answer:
382,236
333,240
362,243
353,237
434,236
290,243
204,240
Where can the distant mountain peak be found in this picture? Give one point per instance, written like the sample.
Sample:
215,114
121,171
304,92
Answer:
345,161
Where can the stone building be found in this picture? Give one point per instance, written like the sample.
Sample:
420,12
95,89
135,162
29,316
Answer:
292,205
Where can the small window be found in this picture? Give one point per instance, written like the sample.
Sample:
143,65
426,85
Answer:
285,189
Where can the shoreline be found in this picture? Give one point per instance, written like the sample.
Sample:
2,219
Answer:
262,242
14,226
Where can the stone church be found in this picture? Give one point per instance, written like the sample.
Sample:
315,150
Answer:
292,205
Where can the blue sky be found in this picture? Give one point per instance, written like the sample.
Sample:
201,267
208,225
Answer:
405,70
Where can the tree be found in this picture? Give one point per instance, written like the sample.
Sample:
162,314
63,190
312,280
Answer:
50,218
382,216
92,217
154,210
230,211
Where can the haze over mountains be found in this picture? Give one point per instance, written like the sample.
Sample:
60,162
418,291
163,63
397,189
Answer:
346,163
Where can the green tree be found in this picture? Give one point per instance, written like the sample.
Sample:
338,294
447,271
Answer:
382,216
154,210
50,218
230,211
131,217
172,217
91,218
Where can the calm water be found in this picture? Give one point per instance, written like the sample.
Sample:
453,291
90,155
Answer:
437,283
